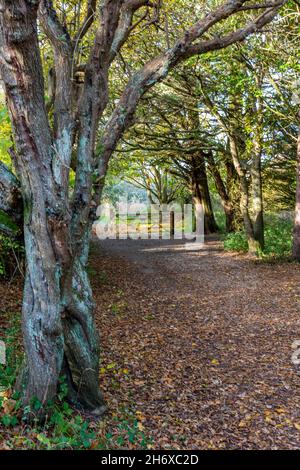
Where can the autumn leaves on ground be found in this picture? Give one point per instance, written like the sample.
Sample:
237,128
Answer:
205,339
196,347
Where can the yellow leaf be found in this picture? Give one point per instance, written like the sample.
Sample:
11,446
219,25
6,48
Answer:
215,362
140,416
242,424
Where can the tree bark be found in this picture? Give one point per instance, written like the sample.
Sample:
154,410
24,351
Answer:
256,174
228,206
58,328
258,216
201,194
296,238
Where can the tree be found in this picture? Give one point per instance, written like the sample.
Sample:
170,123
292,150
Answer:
58,327
168,132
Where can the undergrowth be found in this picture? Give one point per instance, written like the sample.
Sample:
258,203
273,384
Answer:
278,239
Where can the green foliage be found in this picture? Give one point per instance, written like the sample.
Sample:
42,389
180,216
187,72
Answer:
11,256
14,355
236,241
5,130
278,238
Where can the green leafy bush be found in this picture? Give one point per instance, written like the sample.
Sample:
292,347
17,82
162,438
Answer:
236,241
11,256
278,238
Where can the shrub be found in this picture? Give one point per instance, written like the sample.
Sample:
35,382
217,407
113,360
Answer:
236,241
278,238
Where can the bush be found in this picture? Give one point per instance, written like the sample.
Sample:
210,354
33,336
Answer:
236,241
278,238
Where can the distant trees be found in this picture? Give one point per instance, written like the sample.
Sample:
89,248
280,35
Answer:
234,120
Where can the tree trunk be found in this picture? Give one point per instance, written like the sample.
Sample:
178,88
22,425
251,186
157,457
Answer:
81,340
256,176
258,216
59,331
57,322
232,186
228,206
296,239
201,195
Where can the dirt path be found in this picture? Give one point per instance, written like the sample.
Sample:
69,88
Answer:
198,343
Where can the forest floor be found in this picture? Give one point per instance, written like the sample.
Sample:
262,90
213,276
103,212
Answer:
204,341
196,345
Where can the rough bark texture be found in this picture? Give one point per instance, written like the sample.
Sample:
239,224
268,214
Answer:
257,195
296,240
256,174
201,195
58,326
52,320
253,245
227,203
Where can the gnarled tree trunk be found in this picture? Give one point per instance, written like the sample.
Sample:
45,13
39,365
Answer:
253,244
225,195
58,328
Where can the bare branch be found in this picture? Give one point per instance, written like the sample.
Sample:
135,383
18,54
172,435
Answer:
222,42
125,26
88,21
56,32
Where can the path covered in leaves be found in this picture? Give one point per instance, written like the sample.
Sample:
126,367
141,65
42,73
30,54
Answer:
198,344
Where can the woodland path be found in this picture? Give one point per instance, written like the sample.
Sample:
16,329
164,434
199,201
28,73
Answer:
197,344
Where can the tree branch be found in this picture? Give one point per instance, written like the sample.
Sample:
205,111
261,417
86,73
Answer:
156,69
88,21
62,93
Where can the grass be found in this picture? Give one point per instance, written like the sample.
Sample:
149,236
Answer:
278,239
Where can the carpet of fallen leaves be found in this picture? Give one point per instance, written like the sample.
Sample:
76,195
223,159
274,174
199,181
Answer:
196,344
199,343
